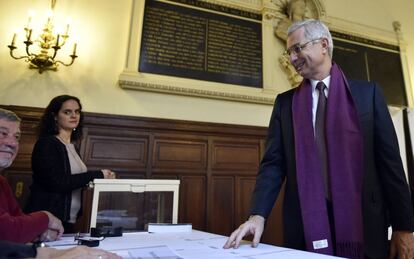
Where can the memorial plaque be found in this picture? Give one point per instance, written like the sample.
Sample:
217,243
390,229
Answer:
374,61
199,40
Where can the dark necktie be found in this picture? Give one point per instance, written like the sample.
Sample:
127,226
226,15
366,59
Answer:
320,137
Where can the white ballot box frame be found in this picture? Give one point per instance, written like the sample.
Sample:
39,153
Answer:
134,186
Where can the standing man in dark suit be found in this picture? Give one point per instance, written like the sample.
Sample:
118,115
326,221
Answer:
334,143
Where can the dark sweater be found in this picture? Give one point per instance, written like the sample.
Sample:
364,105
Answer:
53,182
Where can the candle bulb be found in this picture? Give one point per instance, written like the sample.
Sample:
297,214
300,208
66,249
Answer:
67,29
57,40
49,15
28,22
74,50
30,14
30,35
14,39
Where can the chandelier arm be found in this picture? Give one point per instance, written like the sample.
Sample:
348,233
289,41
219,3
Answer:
11,54
55,50
28,43
12,48
67,64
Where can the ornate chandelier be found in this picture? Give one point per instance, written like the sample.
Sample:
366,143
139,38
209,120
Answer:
47,41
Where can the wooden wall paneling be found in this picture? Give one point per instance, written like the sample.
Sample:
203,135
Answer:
216,163
173,176
192,198
244,189
116,149
19,181
129,174
220,217
209,189
235,154
83,223
148,172
179,152
192,205
27,141
173,126
273,233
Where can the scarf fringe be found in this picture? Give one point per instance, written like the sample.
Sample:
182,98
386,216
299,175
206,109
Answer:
350,250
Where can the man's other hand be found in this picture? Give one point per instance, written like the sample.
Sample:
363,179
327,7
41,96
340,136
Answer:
402,244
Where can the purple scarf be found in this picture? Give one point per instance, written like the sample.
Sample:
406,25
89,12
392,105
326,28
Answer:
345,167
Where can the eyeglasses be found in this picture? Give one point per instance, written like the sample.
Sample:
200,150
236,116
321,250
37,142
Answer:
297,48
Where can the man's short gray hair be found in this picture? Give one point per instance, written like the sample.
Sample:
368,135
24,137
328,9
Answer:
9,115
314,29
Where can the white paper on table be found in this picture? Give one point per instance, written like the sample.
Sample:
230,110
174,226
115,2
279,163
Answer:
148,252
205,245
63,242
196,244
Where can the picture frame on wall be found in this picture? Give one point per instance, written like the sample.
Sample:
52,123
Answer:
196,48
370,60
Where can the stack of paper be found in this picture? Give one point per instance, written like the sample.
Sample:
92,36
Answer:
169,228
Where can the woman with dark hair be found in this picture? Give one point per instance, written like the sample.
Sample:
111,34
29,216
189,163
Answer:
58,172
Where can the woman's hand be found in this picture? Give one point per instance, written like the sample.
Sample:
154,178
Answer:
108,174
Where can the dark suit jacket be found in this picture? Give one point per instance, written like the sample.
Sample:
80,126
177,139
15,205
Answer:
10,250
386,197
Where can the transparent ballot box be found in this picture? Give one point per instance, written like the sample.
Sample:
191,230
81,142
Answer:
132,203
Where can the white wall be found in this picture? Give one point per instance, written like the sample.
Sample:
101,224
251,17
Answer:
102,29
